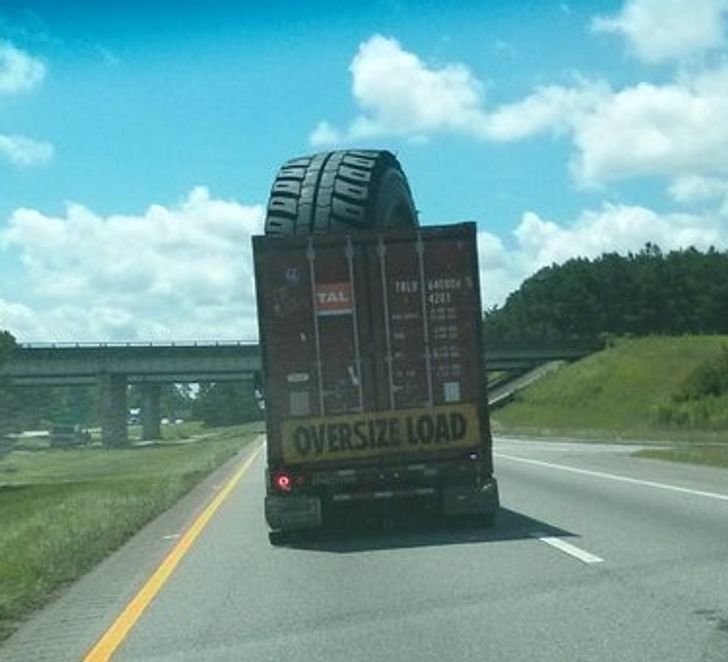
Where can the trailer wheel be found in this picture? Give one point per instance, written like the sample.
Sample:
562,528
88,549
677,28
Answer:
340,192
278,538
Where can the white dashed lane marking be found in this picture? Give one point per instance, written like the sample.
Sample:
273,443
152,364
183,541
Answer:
568,548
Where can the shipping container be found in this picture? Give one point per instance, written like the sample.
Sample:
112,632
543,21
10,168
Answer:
373,373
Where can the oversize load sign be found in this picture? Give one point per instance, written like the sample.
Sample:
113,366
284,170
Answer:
377,433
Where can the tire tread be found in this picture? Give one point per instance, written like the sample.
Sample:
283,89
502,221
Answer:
328,192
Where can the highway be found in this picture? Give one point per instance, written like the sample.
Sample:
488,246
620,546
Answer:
597,556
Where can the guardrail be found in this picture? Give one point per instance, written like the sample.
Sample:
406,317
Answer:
93,345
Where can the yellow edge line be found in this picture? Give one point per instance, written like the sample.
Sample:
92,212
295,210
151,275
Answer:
106,646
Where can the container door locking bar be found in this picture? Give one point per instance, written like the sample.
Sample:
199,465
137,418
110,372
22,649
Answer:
311,255
382,253
420,249
349,251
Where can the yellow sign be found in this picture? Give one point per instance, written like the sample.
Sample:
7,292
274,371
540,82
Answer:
378,433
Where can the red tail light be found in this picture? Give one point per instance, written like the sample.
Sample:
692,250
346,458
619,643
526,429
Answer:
283,481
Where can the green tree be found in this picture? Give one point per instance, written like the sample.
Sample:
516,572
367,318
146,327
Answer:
226,403
7,345
582,300
176,400
7,399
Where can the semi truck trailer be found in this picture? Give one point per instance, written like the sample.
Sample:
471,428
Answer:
371,340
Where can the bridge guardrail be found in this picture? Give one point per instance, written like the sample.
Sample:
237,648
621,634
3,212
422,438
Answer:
94,345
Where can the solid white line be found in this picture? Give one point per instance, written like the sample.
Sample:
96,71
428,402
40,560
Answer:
623,479
571,550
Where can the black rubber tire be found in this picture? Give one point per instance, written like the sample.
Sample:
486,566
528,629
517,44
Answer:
340,192
278,538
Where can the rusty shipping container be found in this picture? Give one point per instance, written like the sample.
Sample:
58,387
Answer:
373,376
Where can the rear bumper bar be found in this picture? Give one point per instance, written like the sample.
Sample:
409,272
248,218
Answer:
384,494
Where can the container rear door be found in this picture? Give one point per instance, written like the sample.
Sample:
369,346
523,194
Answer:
309,323
430,310
335,293
452,301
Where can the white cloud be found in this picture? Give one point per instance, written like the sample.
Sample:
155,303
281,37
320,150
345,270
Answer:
694,188
18,318
539,242
399,94
670,130
19,71
25,151
181,272
501,270
548,108
617,228
664,30
324,134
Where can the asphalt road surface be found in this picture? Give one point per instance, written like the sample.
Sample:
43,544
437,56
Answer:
596,556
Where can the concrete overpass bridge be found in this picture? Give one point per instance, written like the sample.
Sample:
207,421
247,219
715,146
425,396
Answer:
80,364
113,366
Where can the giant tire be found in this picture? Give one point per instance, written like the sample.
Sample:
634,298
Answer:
341,191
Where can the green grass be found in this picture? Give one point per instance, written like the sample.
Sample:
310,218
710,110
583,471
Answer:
615,393
62,511
172,431
715,456
169,432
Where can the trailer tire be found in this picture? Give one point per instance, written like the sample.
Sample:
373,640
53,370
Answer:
278,538
341,191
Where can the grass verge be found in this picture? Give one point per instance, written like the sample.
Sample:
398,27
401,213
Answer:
616,393
62,511
713,456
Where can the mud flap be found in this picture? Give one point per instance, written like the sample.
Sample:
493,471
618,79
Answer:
460,499
293,512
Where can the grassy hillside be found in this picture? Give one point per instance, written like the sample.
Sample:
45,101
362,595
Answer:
625,391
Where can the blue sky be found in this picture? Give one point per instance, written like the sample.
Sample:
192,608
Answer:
138,140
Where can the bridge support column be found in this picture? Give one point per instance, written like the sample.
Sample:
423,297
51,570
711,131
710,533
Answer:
151,414
114,410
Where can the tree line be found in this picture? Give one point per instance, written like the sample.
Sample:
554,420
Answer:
583,301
